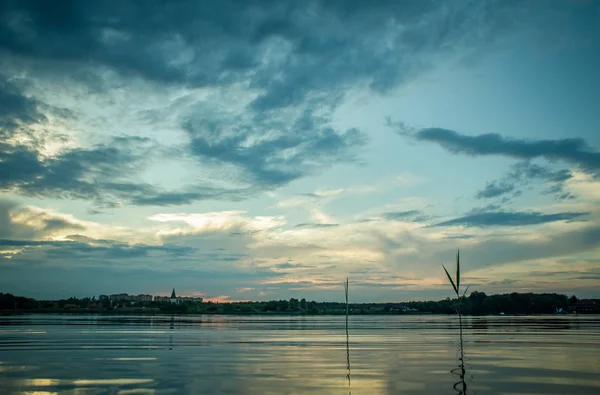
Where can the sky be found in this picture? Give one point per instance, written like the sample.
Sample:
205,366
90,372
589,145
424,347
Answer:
259,150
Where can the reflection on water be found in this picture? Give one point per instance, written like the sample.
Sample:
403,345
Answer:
348,356
461,385
299,355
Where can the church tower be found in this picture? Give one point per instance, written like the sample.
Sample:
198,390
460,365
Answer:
173,296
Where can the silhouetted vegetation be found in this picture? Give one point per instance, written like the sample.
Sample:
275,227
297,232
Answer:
10,302
477,303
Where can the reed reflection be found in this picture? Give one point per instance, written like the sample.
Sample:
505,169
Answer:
171,327
461,385
347,341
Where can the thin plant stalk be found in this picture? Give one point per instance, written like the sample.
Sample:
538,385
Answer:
461,385
347,336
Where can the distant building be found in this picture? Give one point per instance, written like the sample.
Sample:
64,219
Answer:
162,299
191,299
587,306
129,298
143,298
120,297
124,297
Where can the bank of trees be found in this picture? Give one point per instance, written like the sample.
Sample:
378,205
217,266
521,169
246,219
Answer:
477,303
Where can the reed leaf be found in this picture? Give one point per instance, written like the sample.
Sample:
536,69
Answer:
346,285
451,280
464,293
457,271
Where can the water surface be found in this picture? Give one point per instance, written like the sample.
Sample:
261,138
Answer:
79,354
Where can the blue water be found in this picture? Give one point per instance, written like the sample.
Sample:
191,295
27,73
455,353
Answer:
80,354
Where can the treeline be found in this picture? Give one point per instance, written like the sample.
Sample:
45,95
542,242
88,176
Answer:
477,303
11,302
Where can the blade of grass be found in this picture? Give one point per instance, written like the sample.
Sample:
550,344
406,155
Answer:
457,271
346,284
451,280
464,293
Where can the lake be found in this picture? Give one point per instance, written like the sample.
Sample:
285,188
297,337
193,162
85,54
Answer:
404,354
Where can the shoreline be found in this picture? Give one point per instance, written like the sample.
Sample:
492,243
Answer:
145,312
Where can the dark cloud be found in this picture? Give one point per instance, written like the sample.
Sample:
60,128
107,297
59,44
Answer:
524,173
190,195
573,150
99,173
288,265
16,109
320,44
271,153
301,57
86,248
460,237
495,189
287,55
231,40
17,222
503,218
555,178
410,215
528,170
109,250
26,243
503,282
496,251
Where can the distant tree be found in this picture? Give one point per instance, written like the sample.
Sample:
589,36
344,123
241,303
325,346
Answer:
477,300
283,305
294,304
573,300
303,304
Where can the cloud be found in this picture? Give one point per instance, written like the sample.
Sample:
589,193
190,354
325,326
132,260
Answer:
502,218
495,189
271,152
496,251
524,173
34,233
287,51
315,225
99,173
460,237
278,71
16,109
109,250
319,197
218,221
572,150
92,249
189,195
528,170
230,250
410,215
26,223
287,265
